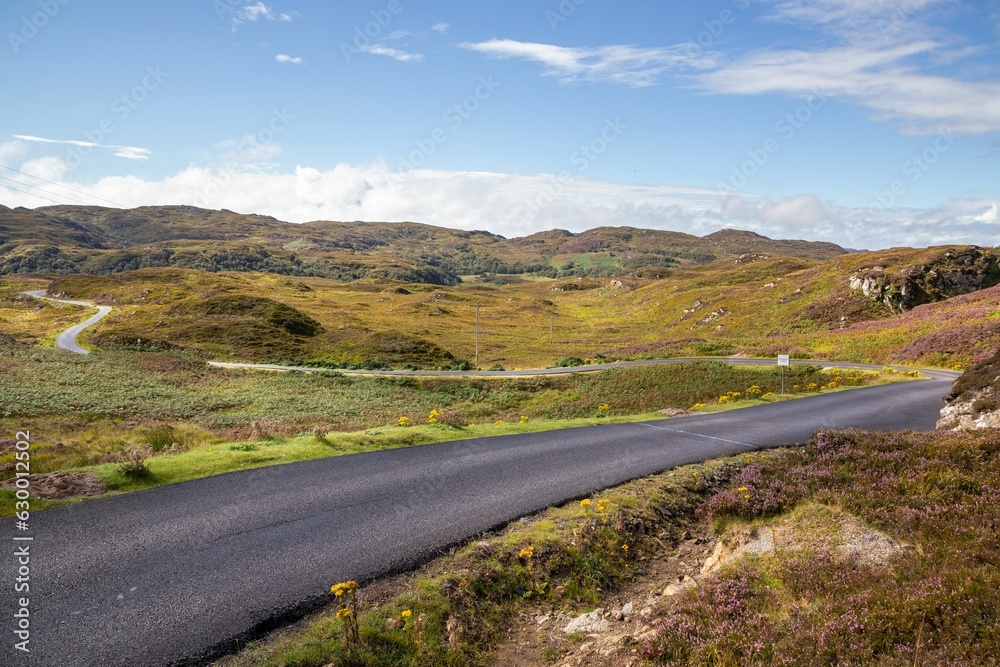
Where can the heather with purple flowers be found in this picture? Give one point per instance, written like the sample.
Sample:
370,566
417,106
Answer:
756,492
934,602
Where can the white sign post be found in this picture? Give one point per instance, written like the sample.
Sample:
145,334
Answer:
783,360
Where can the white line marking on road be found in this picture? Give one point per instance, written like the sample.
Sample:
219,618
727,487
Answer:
699,435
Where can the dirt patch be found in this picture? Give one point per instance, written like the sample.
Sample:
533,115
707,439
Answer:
539,638
61,485
677,412
612,634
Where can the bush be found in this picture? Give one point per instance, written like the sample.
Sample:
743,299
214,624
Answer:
568,362
134,463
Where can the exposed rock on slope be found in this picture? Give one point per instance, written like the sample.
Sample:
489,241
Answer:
949,275
975,399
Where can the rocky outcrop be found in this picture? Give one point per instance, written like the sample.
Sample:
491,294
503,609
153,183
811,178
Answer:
975,398
951,274
963,415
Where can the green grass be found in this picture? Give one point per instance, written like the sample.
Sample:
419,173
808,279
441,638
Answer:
87,410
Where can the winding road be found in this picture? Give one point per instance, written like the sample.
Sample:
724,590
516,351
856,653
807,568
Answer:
178,574
66,340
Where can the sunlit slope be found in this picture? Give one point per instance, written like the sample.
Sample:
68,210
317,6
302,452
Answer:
80,239
858,306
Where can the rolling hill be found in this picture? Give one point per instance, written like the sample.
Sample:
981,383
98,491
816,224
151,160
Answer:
390,294
80,239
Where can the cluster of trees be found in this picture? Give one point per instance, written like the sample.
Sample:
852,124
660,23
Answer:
435,268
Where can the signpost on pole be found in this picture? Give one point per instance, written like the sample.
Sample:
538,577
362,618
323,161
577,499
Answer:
783,360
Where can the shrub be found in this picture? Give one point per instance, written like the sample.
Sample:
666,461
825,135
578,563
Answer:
568,362
133,462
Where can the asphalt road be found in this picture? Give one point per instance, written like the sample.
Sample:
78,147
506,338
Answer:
172,576
743,361
66,340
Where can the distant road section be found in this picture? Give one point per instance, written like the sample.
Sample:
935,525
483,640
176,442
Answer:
66,340
739,361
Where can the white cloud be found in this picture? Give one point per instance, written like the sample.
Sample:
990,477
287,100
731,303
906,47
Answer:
256,11
283,58
395,54
853,12
877,59
517,205
877,53
880,79
628,65
989,215
11,150
128,152
441,28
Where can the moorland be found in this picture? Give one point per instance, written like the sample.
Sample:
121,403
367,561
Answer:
188,286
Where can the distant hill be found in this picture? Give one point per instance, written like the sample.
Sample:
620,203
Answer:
95,240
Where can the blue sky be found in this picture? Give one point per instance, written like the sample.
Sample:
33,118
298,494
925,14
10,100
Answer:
870,123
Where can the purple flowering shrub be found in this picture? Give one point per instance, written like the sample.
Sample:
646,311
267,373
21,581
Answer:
934,603
756,491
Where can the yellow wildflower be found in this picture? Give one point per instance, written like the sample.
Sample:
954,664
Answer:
585,503
344,588
527,552
407,613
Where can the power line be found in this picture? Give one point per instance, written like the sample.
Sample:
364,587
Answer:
32,194
56,194
63,186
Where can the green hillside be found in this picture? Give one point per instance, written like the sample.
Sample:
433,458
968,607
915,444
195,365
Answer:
80,239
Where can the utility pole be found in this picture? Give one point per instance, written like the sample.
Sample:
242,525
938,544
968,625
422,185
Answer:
477,335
